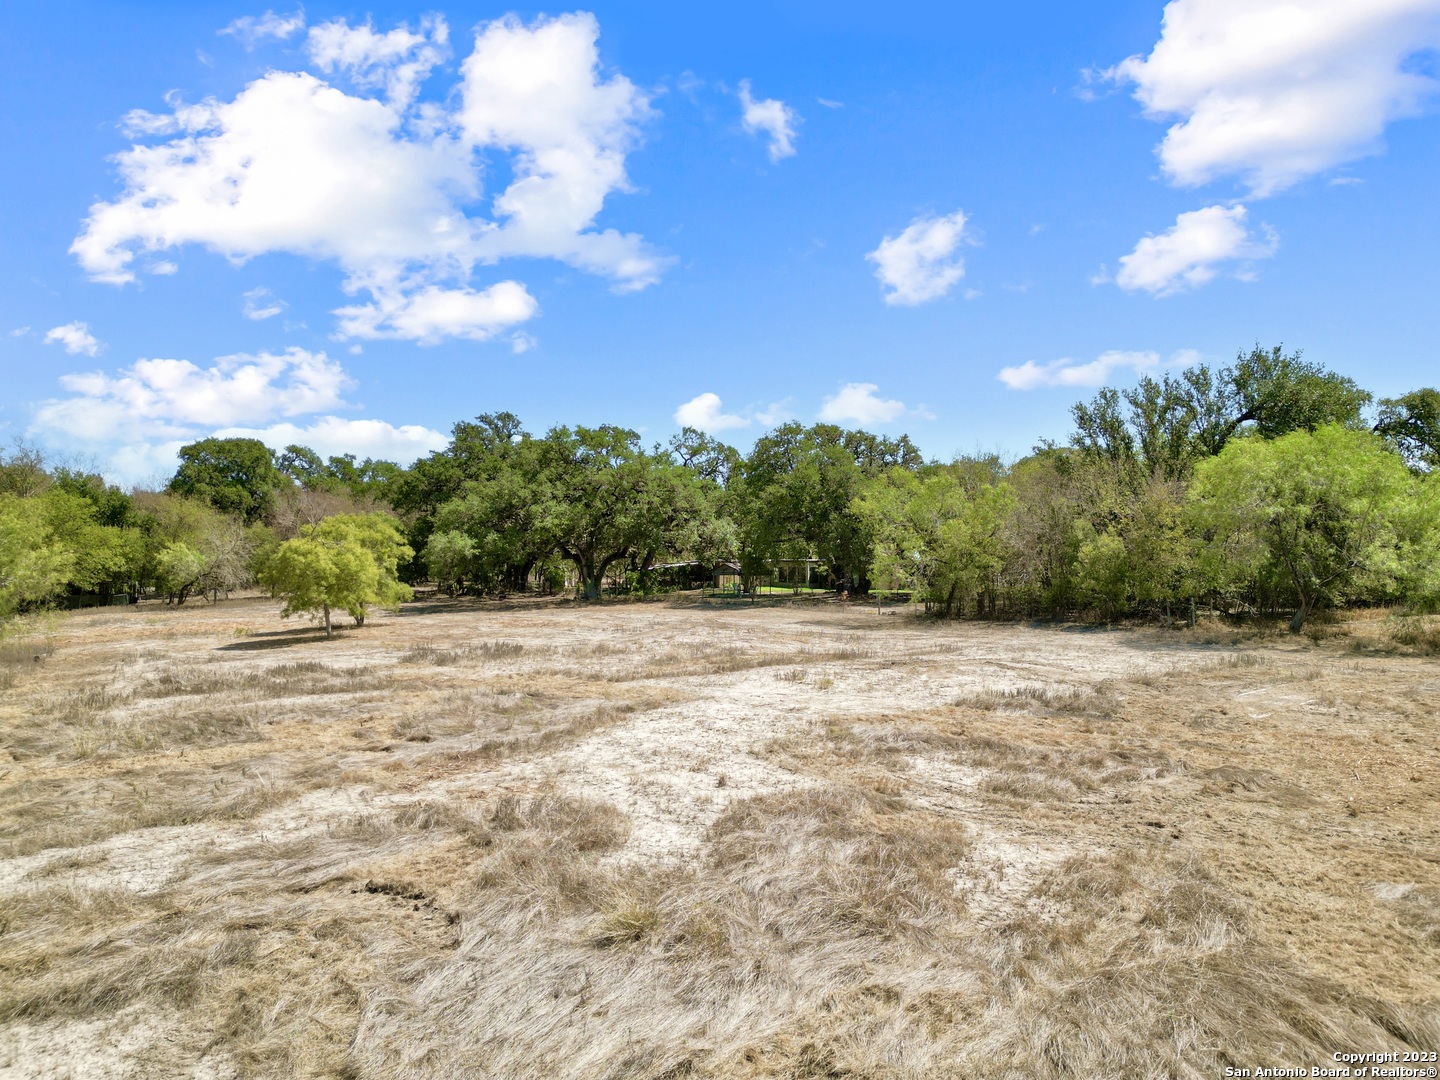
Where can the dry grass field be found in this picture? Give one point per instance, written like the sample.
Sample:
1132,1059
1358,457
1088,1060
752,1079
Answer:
664,840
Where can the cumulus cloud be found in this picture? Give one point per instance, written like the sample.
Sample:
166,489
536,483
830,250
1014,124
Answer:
770,117
136,418
252,29
1194,251
432,314
333,435
386,186
921,263
535,91
175,398
1068,372
261,303
1097,372
860,403
396,62
705,413
75,337
1272,92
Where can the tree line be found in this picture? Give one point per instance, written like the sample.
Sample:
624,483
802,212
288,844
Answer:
1267,485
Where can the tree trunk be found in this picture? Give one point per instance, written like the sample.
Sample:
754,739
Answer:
1301,613
589,579
329,632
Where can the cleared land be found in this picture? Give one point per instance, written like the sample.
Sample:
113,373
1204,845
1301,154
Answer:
659,840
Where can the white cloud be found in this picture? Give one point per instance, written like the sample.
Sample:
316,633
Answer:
1194,251
777,412
1068,372
384,186
261,303
858,403
333,435
75,337
396,62
521,342
704,413
771,117
1272,91
921,263
252,29
431,314
175,398
535,91
136,418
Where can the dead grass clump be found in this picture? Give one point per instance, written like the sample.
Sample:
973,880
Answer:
21,654
272,976
1235,779
59,812
584,824
855,860
1098,702
1419,909
435,816
528,730
1236,630
1414,635
297,678
1028,787
438,656
687,659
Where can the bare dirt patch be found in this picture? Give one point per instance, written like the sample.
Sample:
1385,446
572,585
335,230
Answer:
655,840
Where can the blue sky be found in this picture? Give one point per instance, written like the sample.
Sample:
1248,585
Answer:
352,227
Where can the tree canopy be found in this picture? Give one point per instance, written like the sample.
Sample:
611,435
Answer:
346,562
1268,485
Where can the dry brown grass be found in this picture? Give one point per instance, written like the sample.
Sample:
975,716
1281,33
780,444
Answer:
662,842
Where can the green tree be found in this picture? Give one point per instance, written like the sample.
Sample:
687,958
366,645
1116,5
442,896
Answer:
1166,425
1411,423
346,562
707,456
1320,509
936,535
600,500
179,569
1420,544
798,491
305,468
1274,394
103,556
223,548
34,565
23,472
488,536
1102,568
478,452
234,476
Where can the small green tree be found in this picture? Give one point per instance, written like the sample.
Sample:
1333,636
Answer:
1320,508
34,566
348,562
1420,545
1102,569
179,568
934,534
